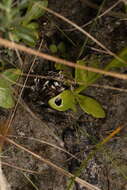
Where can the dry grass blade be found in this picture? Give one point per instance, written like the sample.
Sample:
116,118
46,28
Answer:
84,32
18,168
109,87
49,144
111,13
30,181
98,17
9,44
109,9
61,170
109,137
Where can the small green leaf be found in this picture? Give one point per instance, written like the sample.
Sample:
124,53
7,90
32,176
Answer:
63,101
11,75
7,78
35,11
53,48
33,25
4,83
6,99
115,63
90,106
26,36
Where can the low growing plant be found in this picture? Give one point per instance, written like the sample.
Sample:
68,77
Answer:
18,20
69,99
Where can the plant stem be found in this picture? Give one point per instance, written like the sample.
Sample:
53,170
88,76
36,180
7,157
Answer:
112,64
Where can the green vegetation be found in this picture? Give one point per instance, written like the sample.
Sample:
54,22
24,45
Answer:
70,98
7,79
19,22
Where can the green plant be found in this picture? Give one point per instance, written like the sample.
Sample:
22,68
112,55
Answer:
18,20
60,49
7,79
68,99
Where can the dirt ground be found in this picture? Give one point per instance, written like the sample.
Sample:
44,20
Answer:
78,132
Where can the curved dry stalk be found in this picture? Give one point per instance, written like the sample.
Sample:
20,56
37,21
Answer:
9,44
49,144
109,9
98,17
61,170
109,87
111,13
18,168
98,50
83,32
30,181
